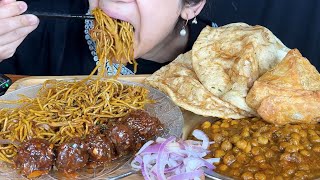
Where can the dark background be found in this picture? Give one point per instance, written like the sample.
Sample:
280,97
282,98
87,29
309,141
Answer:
295,22
57,44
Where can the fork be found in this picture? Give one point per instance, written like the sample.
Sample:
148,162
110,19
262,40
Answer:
59,15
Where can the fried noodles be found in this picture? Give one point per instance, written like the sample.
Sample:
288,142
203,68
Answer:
114,40
66,109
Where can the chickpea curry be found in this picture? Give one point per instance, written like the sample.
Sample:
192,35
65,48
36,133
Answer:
254,149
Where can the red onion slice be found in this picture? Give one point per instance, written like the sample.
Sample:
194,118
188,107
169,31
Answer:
8,142
5,141
201,136
162,156
145,146
172,159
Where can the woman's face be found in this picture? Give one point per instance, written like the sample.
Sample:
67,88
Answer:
153,20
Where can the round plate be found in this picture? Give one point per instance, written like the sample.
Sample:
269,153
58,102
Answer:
215,176
164,109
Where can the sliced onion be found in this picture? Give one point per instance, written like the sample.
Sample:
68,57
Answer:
45,126
213,160
201,136
145,146
8,141
193,163
174,146
144,172
151,149
5,141
193,143
160,140
162,156
173,168
136,162
174,159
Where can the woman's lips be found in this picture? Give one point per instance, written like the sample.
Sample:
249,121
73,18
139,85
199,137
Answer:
115,15
118,16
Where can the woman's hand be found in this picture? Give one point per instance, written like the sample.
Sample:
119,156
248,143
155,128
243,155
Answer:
14,27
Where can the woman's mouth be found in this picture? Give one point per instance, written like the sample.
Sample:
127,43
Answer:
117,16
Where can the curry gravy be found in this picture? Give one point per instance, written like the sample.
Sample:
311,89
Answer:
254,149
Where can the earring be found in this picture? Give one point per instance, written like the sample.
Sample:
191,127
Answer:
194,21
183,31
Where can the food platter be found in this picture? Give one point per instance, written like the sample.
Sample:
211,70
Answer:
164,109
191,120
263,109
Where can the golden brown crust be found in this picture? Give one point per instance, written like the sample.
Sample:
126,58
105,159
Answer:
179,81
228,59
282,110
288,93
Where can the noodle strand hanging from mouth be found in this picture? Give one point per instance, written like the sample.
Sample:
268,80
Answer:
114,41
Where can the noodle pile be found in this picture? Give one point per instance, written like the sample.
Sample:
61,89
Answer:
63,110
66,109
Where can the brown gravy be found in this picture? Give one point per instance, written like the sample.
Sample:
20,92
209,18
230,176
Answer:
254,149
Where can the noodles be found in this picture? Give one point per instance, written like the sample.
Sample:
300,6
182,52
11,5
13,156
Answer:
114,40
63,110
